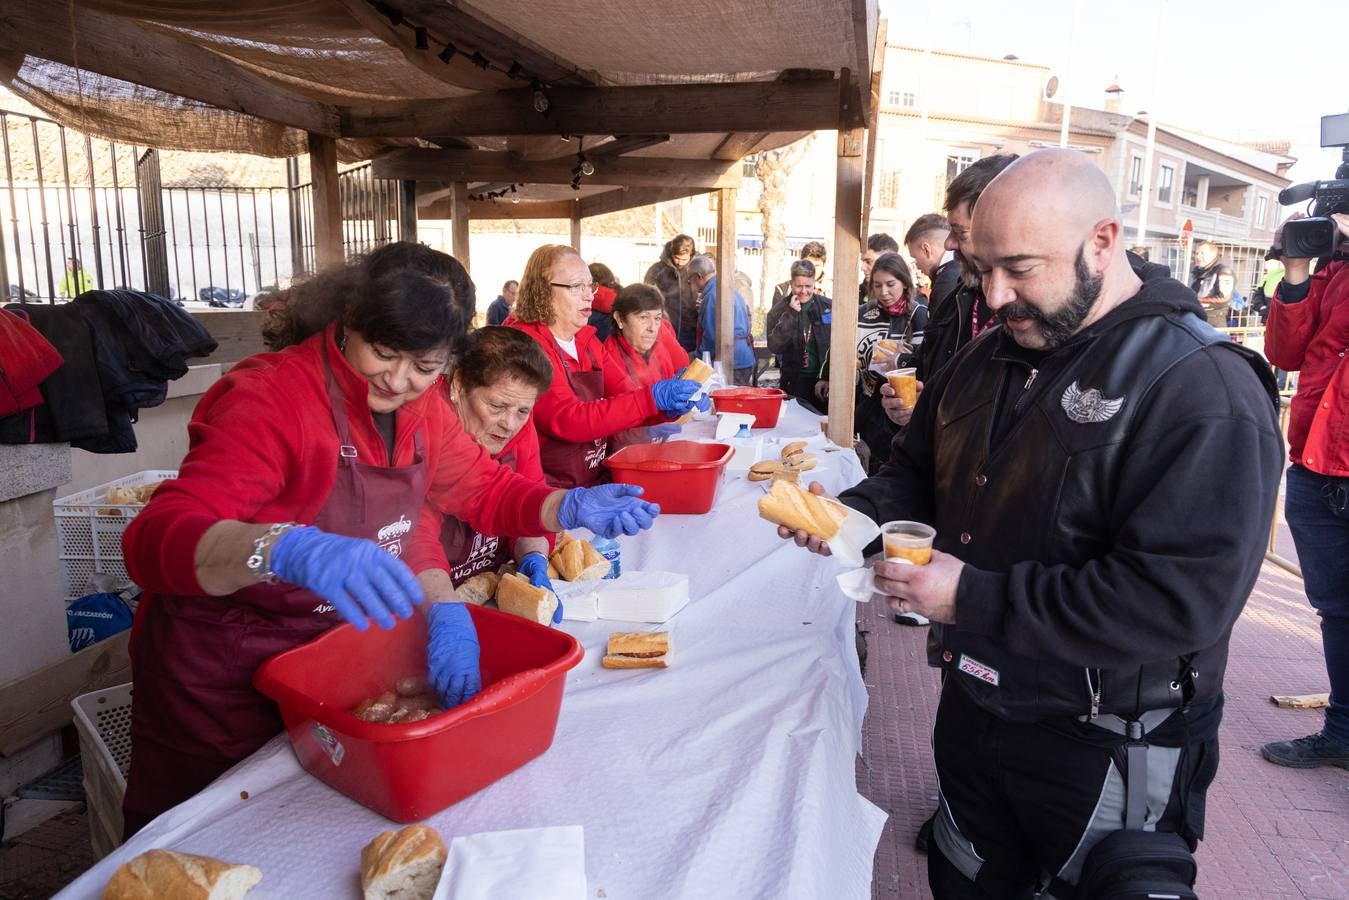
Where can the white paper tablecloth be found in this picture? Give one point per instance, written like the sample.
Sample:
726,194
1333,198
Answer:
730,774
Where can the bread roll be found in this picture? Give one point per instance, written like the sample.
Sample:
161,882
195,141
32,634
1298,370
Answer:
518,597
123,495
764,470
792,449
698,371
403,865
479,589
788,473
169,875
568,560
800,510
638,650
801,462
595,565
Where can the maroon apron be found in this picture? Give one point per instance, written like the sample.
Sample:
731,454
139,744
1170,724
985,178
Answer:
468,551
196,712
567,464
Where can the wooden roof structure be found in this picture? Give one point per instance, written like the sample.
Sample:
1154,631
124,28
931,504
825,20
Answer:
581,108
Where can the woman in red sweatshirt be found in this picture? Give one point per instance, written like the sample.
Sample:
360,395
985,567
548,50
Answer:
591,398
641,342
497,378
303,483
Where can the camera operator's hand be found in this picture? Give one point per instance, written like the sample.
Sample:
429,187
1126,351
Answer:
1295,271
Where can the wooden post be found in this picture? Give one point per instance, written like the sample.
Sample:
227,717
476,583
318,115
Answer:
847,244
726,198
327,202
873,122
407,211
576,225
459,223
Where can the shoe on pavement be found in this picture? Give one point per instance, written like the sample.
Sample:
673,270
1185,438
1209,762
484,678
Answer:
911,618
1308,752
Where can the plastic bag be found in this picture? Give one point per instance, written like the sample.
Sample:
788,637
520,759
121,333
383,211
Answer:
94,617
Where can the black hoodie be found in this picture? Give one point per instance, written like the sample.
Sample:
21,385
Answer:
1188,509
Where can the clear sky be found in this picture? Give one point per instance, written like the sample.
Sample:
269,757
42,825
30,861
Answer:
1240,69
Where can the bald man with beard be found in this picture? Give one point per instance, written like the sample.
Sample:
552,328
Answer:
1089,561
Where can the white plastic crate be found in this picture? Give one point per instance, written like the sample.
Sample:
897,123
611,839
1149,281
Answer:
90,531
103,721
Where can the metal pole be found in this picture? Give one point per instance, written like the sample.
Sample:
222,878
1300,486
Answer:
173,230
74,223
13,207
121,218
42,201
93,212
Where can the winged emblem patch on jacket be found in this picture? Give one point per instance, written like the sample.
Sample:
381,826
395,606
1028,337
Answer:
1089,406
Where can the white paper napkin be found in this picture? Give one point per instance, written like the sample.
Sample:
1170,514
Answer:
850,544
528,864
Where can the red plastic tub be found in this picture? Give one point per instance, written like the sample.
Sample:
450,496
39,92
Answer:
764,404
409,772
681,476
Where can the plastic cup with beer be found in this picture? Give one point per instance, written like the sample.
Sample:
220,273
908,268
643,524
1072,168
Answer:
909,542
904,382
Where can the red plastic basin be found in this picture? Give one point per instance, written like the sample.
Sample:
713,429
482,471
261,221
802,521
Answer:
409,772
681,476
764,404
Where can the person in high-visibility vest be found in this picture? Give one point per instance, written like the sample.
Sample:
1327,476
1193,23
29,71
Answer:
76,281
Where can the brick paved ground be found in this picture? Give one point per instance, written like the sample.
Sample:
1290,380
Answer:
41,861
1271,832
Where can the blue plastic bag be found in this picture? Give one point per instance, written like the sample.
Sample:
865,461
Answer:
94,617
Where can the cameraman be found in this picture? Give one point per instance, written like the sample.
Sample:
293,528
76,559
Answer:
1308,331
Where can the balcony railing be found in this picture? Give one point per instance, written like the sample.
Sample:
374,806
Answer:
1210,223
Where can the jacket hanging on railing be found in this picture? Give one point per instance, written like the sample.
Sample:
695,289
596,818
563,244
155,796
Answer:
121,348
26,358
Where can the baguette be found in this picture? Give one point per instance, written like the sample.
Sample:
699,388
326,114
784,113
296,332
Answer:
403,865
594,565
795,508
518,597
698,371
638,650
479,589
169,875
568,560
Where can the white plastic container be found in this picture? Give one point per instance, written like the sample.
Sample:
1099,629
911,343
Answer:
103,722
89,531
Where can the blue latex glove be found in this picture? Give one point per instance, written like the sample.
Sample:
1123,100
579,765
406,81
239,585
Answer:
663,432
704,403
358,577
608,510
672,395
535,567
452,653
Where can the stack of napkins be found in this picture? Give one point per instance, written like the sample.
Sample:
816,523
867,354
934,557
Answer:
632,597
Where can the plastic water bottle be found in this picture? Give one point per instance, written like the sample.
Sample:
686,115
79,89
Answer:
609,549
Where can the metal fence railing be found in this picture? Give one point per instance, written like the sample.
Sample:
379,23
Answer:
67,196
371,210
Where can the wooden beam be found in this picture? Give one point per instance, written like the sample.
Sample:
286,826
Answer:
738,145
631,198
858,107
39,704
327,202
576,226
847,244
119,48
877,73
470,29
674,108
488,165
726,200
459,217
407,211
628,143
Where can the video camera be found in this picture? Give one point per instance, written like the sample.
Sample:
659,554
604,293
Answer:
1318,236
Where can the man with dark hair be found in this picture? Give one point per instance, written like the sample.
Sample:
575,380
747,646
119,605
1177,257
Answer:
926,242
814,253
1089,564
798,334
500,308
876,245
956,323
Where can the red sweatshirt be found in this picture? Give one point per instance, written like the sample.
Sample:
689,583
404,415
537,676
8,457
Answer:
426,550
644,370
263,448
1311,337
560,415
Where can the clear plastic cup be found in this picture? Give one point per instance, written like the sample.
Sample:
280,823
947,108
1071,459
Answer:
904,382
910,542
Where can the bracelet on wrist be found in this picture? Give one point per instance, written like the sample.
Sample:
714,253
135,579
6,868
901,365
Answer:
259,563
